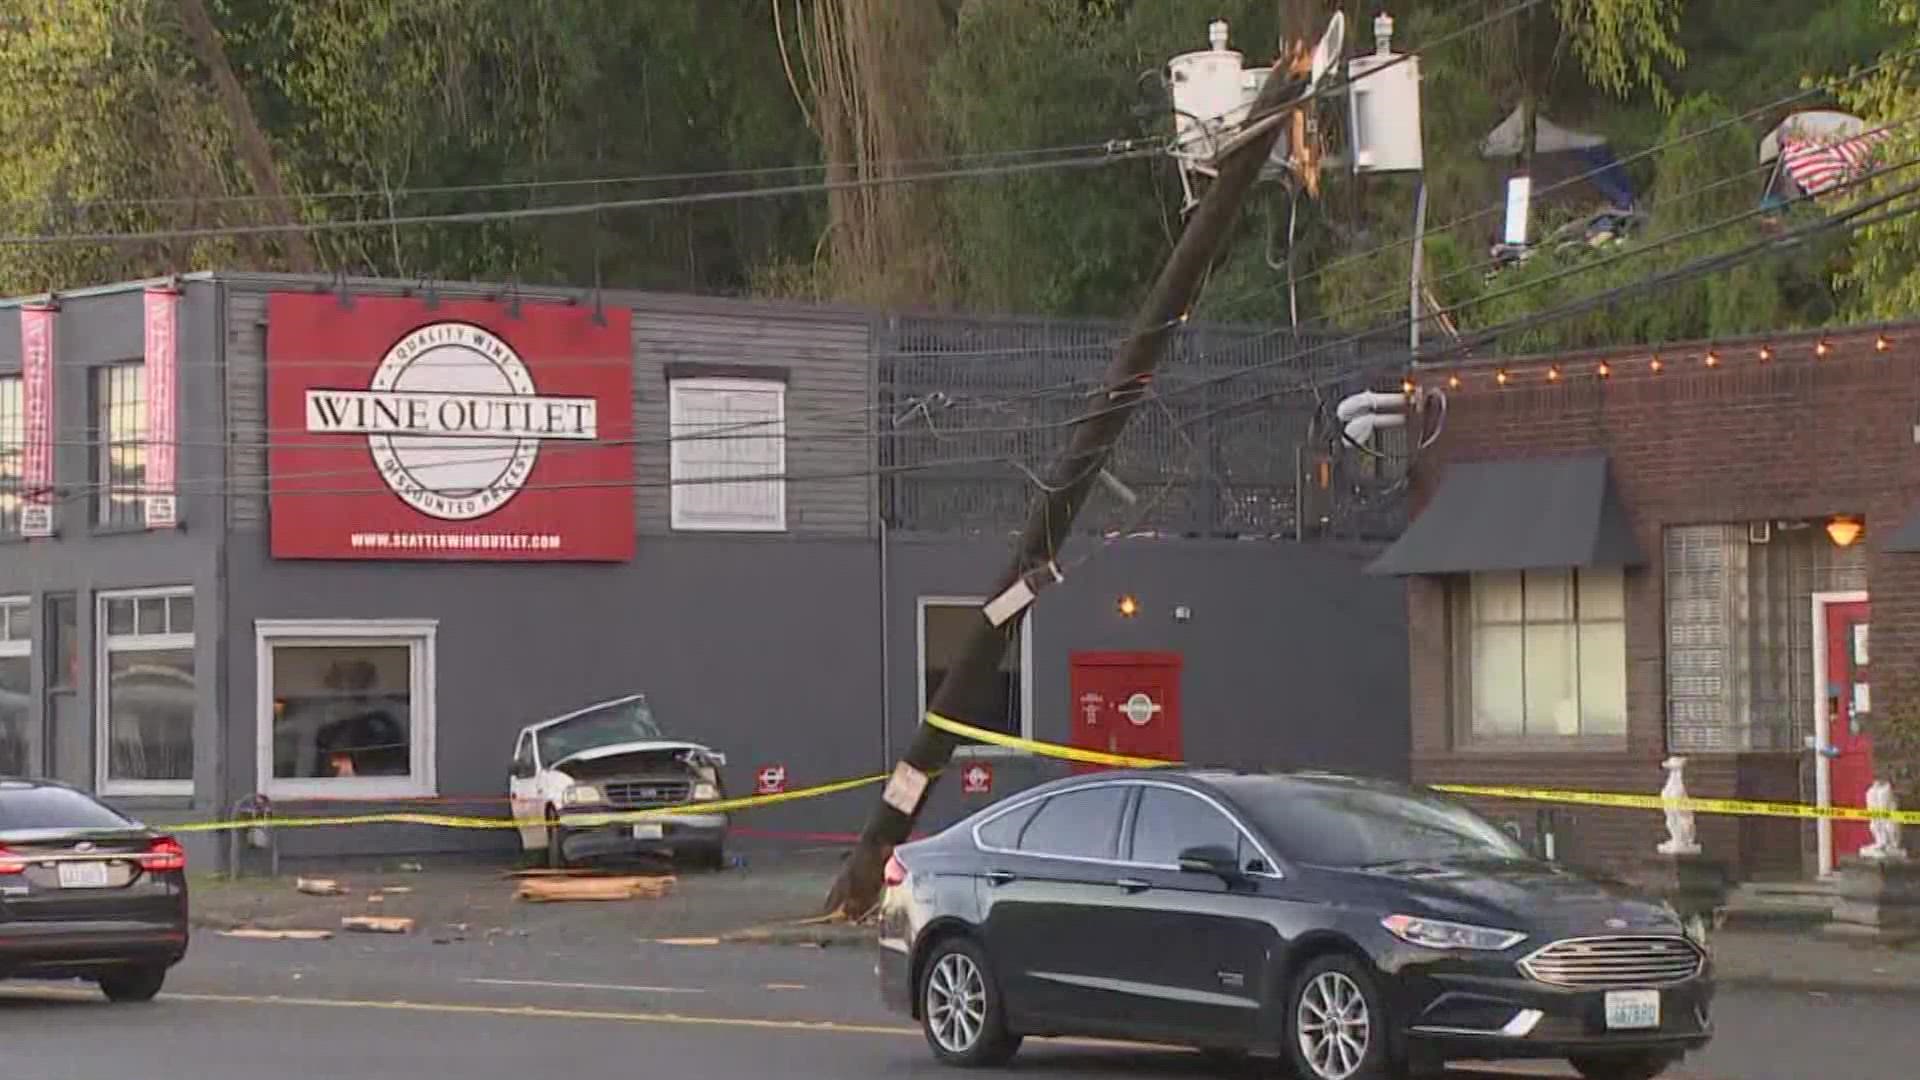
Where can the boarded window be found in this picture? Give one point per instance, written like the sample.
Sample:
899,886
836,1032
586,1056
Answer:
729,460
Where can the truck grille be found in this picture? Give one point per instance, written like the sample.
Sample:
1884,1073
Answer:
1614,961
646,792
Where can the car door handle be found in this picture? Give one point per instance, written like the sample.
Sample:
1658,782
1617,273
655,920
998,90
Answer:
999,877
1134,884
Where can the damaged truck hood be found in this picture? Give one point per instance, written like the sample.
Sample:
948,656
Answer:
645,746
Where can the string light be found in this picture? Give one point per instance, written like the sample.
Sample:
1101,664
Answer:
1500,376
1604,369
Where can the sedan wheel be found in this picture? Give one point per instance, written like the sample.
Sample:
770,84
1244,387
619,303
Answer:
1339,1028
134,984
960,1008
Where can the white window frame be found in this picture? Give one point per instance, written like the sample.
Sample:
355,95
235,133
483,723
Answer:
1026,671
681,517
419,636
104,648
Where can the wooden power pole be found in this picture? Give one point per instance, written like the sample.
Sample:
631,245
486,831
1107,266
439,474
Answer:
966,693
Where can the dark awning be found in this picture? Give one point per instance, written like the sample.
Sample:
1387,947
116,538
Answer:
1906,538
1530,514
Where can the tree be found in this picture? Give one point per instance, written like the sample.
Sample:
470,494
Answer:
105,126
1882,280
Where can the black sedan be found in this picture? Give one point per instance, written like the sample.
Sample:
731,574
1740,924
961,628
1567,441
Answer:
86,893
1358,928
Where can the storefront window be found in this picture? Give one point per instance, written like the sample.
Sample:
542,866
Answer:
1543,655
16,678
346,708
149,695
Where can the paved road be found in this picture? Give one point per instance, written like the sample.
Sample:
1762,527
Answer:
406,1009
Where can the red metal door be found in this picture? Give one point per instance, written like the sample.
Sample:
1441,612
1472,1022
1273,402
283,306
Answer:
1849,705
1126,703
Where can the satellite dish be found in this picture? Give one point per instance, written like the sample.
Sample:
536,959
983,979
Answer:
1327,53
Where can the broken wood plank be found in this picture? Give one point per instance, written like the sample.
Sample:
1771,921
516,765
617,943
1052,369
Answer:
377,924
251,934
539,890
319,886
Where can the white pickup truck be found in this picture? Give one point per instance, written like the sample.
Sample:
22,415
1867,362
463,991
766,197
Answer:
608,758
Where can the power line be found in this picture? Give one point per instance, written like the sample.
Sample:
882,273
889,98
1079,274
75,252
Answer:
1849,221
540,185
1116,152
1657,148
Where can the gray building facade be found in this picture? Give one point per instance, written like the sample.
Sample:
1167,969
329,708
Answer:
790,612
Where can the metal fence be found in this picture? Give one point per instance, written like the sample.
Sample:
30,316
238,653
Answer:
975,410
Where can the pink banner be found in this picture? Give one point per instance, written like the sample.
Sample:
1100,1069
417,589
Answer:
36,372
163,307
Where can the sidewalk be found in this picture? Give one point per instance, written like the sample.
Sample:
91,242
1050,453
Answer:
1803,960
462,898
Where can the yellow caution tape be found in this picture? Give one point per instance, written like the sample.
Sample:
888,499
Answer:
578,820
1735,807
1053,750
1739,807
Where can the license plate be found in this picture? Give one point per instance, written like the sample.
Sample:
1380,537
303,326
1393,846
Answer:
649,830
1630,1010
83,875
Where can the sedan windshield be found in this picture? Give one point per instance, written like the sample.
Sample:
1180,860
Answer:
1345,827
625,721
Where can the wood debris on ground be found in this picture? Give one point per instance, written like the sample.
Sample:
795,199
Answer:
547,890
377,924
252,934
319,886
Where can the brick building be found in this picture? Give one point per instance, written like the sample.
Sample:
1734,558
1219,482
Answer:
1621,556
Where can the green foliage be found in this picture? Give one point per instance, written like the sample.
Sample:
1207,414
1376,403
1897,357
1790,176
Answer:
1882,281
366,102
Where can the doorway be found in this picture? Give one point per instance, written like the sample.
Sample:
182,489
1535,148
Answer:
1843,709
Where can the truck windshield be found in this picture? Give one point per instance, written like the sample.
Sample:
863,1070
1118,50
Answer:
625,721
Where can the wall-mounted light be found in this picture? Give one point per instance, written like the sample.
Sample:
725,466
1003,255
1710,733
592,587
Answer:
1882,343
1766,353
1822,350
1129,607
1844,529
1604,369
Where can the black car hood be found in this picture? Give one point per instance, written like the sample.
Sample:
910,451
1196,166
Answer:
1538,898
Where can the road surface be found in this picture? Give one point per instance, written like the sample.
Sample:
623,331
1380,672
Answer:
504,1009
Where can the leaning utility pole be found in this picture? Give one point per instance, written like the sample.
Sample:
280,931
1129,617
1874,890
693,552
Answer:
966,693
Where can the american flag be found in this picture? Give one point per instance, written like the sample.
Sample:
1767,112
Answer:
1818,166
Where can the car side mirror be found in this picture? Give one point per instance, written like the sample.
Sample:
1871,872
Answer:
1213,859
